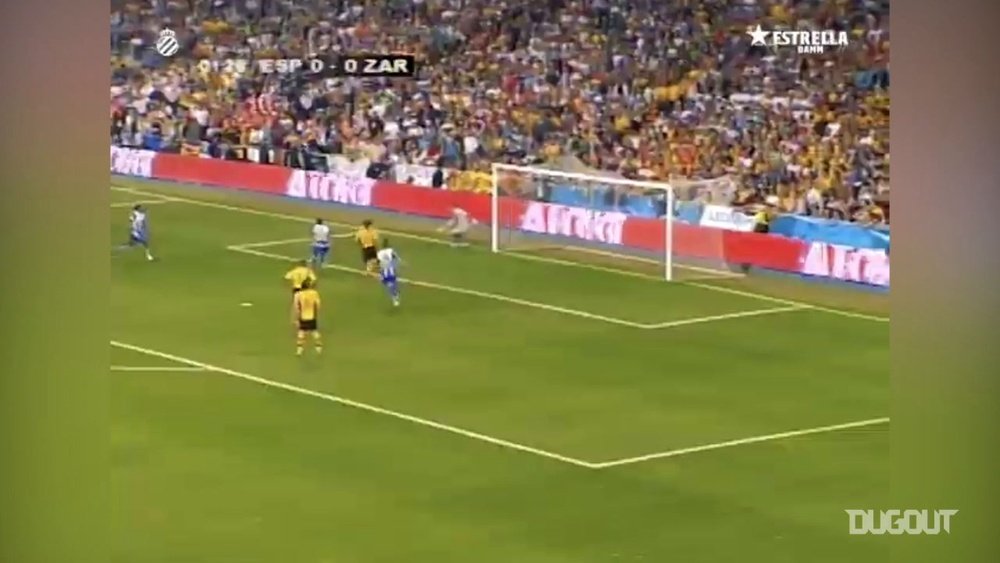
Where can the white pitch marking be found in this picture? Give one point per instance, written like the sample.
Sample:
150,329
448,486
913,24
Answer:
355,404
610,254
134,203
274,215
156,368
249,249
282,242
524,255
741,442
494,296
301,219
727,316
789,302
267,243
432,240
710,272
673,453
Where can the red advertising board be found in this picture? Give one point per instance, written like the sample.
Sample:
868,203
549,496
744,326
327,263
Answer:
605,227
429,202
335,188
132,162
221,173
859,265
610,228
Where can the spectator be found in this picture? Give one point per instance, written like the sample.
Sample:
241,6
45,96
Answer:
437,179
762,219
378,170
643,88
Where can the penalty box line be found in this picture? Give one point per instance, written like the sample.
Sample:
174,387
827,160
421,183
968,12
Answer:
120,204
252,248
157,368
743,441
196,365
355,404
727,316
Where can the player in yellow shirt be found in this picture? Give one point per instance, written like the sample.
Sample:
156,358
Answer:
305,316
367,238
300,275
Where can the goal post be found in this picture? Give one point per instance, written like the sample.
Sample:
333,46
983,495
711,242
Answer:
599,221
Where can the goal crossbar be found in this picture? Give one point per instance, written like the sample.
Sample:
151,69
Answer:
582,177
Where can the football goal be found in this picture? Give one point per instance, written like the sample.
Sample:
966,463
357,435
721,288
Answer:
605,222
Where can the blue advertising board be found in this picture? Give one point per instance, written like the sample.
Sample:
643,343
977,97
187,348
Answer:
831,231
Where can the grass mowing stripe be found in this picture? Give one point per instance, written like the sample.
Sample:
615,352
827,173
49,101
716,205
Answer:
708,272
194,365
249,249
272,214
355,404
302,219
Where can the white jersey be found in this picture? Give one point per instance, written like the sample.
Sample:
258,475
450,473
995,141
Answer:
387,256
388,260
137,219
321,235
460,220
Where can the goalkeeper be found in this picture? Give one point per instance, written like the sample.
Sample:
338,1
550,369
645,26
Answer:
458,226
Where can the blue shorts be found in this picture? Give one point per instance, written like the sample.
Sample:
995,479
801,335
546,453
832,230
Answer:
137,240
389,280
320,250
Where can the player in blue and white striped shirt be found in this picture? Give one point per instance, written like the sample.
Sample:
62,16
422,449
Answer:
320,243
388,262
138,234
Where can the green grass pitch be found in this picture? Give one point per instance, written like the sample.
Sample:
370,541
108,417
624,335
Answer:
512,410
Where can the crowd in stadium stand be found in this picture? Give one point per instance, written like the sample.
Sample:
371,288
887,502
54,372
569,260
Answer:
653,89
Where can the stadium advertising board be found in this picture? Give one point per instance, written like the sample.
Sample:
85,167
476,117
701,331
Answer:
337,188
421,175
722,217
132,162
432,203
221,173
576,222
859,265
732,245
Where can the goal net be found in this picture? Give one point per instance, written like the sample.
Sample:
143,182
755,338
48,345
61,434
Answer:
601,221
